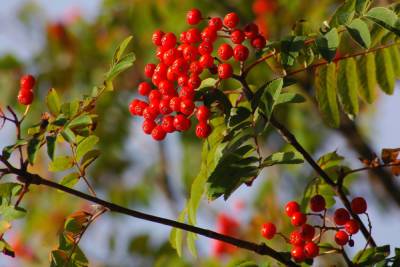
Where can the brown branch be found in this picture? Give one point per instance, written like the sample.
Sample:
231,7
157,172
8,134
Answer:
368,168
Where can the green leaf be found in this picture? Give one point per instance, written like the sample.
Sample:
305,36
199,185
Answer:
61,163
191,242
89,158
122,65
395,55
327,44
330,160
53,102
4,226
290,48
238,115
7,151
344,14
121,48
175,237
289,98
10,213
51,145
80,122
359,31
70,109
367,77
247,264
325,85
33,148
385,71
348,85
68,135
362,5
385,18
371,255
70,180
282,158
85,146
7,191
270,96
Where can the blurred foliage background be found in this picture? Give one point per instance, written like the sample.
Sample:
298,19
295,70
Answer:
136,172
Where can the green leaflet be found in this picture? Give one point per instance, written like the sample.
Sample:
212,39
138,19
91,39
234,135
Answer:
385,71
347,85
367,77
53,102
344,14
395,55
359,31
328,43
385,18
325,86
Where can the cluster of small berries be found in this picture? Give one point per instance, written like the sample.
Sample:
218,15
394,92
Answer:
25,95
228,226
303,239
171,102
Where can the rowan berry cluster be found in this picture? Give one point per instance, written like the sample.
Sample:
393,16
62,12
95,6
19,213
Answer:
180,69
25,95
228,226
303,239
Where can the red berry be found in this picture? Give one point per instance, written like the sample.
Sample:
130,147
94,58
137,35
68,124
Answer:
25,97
187,107
240,52
181,123
144,88
341,238
180,66
311,250
194,82
158,133
225,51
359,205
251,31
196,68
169,56
258,42
149,70
183,80
237,36
225,71
186,93
167,124
193,17
317,203
205,48
157,36
298,219
209,35
352,226
298,254
168,40
341,216
215,23
203,130
193,36
136,107
150,113
206,61
154,94
164,106
27,82
292,207
296,239
231,20
182,38
171,74
268,230
175,104
190,53
203,113
166,87
307,232
148,126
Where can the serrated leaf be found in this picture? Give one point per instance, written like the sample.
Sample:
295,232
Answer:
70,180
61,163
80,122
371,255
395,54
385,71
289,98
325,85
10,213
270,96
359,31
121,48
33,148
70,109
347,85
330,160
7,151
85,146
89,158
344,14
123,64
282,158
53,102
8,190
68,135
51,145
327,44
367,77
290,48
385,18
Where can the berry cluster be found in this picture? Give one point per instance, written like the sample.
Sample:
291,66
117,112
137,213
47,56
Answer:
25,95
304,239
178,74
228,226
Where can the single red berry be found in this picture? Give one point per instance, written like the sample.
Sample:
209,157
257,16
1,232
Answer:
190,53
186,93
225,51
296,239
298,219
237,36
171,74
150,113
352,226
298,254
307,232
203,130
209,35
341,238
167,124
166,87
182,37
193,36
155,105
206,61
258,42
231,20
27,82
181,123
196,68
317,203
157,78
251,31
158,133
170,55
225,71
187,107
215,23
149,70
168,40
292,207
157,36
136,107
205,48
25,97
183,80
148,126
359,205
132,107
180,66
154,94
268,230
144,88
193,17
194,82
175,104
203,113
240,52
164,106
311,250
341,216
